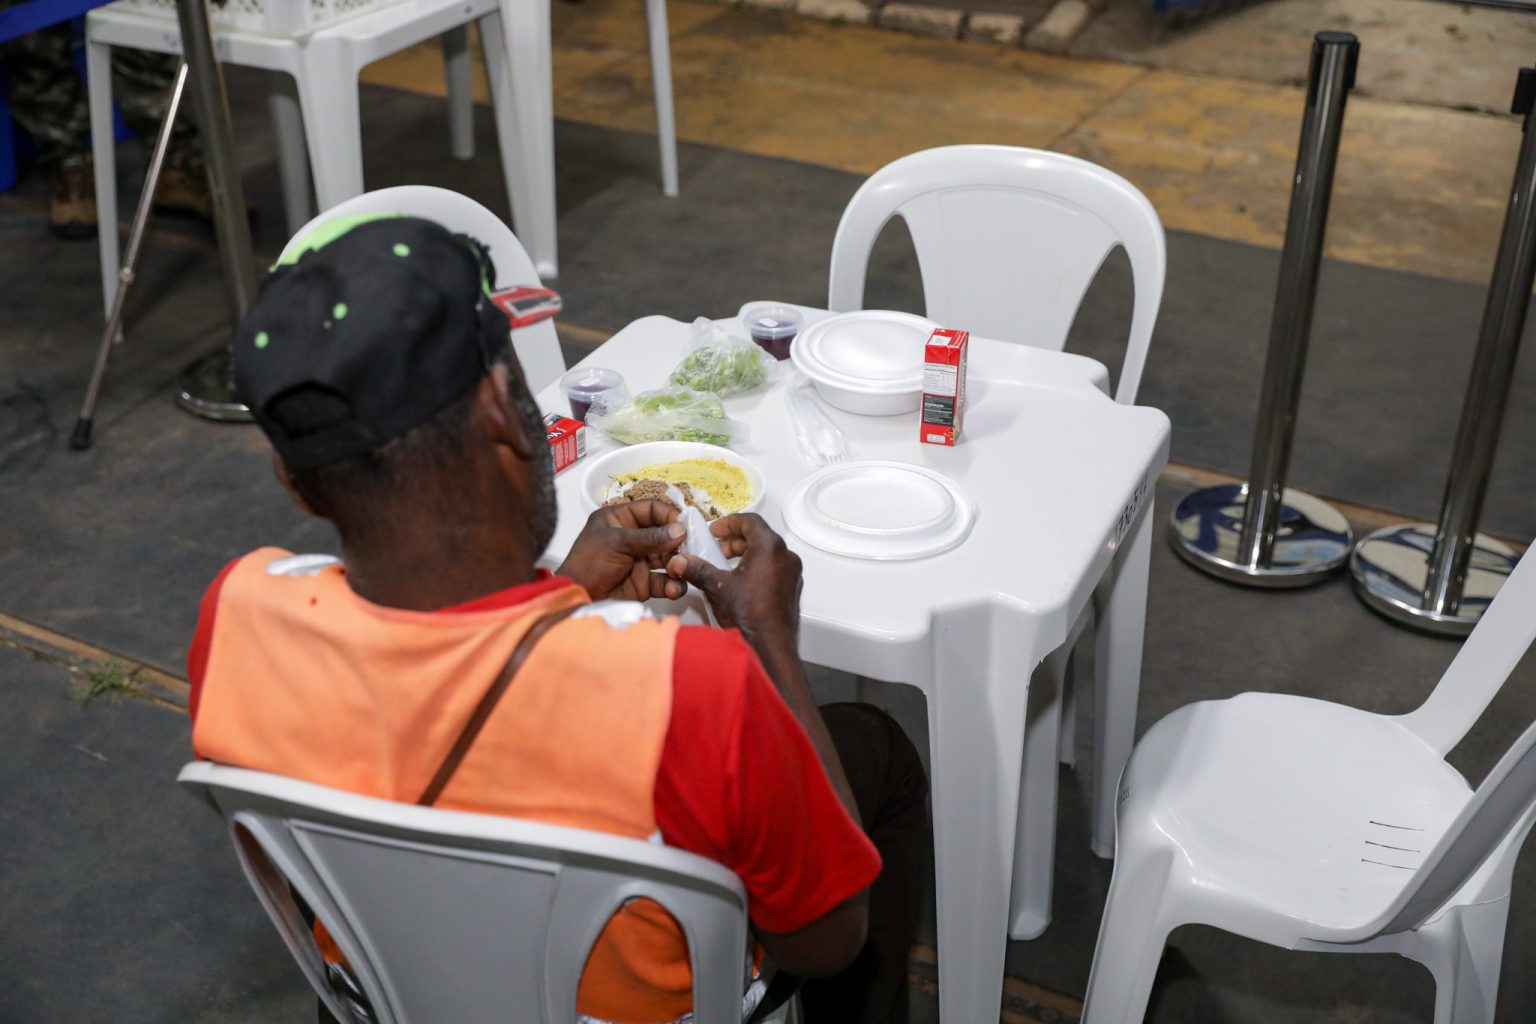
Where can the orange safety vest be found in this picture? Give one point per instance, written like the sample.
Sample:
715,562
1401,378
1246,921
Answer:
307,680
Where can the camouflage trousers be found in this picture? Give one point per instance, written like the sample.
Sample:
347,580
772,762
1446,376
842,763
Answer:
46,93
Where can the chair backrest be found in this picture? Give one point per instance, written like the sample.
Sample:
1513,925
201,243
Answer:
1008,240
537,346
1501,811
469,918
1489,655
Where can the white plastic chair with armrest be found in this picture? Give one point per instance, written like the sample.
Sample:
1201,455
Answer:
469,918
1008,240
1312,825
537,346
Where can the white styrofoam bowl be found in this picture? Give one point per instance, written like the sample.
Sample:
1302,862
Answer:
853,360
601,471
868,403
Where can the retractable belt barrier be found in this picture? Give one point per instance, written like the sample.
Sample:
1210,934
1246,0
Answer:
1439,577
1261,533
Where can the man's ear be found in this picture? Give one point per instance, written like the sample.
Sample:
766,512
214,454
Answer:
280,471
495,414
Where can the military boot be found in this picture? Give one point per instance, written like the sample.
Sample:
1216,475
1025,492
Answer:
184,190
72,212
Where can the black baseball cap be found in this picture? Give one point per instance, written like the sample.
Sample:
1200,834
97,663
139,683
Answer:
370,327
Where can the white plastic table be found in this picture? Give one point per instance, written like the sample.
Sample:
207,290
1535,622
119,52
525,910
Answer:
1063,480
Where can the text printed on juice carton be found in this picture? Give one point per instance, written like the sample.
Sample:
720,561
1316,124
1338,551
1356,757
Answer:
944,386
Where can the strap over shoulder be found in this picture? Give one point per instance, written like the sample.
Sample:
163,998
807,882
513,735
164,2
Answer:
488,703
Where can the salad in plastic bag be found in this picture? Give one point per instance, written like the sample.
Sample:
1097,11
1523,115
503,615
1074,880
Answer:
721,362
668,414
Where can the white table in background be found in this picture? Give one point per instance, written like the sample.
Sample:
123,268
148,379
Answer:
1063,481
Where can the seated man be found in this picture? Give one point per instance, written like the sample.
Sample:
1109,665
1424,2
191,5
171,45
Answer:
382,372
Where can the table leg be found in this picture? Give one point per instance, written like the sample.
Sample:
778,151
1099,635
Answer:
983,657
1034,857
1122,620
517,58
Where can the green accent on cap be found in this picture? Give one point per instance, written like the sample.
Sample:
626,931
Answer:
325,234
261,339
338,311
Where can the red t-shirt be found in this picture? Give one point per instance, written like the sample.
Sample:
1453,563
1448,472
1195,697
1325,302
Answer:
739,781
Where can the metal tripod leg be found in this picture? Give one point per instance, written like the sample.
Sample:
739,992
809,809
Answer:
81,438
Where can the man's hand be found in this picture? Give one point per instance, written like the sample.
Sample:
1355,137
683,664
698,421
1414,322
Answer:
761,596
620,545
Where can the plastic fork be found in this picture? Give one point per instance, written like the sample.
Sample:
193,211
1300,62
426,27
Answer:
821,442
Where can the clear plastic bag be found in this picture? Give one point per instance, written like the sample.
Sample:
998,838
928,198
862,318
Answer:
668,414
722,362
699,542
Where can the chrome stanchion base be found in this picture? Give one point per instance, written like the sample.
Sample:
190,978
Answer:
1390,566
205,389
1312,540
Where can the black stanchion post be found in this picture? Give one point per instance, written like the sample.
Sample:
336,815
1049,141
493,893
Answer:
206,387
1261,533
1440,577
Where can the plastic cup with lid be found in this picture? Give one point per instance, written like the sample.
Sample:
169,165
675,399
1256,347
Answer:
773,327
586,386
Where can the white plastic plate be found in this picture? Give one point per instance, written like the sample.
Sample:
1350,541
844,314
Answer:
879,510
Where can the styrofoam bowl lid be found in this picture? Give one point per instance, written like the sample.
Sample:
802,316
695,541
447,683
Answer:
879,510
872,350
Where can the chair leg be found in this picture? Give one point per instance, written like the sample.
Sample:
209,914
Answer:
1132,935
516,42
1066,748
292,155
1465,952
865,689
461,97
661,82
327,82
98,61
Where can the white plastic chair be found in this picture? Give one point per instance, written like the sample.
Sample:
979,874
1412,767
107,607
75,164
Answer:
470,918
1312,825
537,346
323,45
1008,240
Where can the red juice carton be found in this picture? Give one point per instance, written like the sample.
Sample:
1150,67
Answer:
567,439
944,386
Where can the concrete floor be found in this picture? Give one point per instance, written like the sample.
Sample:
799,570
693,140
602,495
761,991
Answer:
1422,52
1419,188
122,902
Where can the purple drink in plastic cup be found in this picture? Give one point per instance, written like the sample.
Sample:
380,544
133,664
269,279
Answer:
773,328
585,385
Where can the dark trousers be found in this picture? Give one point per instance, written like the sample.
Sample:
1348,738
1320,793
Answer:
891,790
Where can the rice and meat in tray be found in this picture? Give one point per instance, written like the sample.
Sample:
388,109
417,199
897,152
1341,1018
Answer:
713,486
